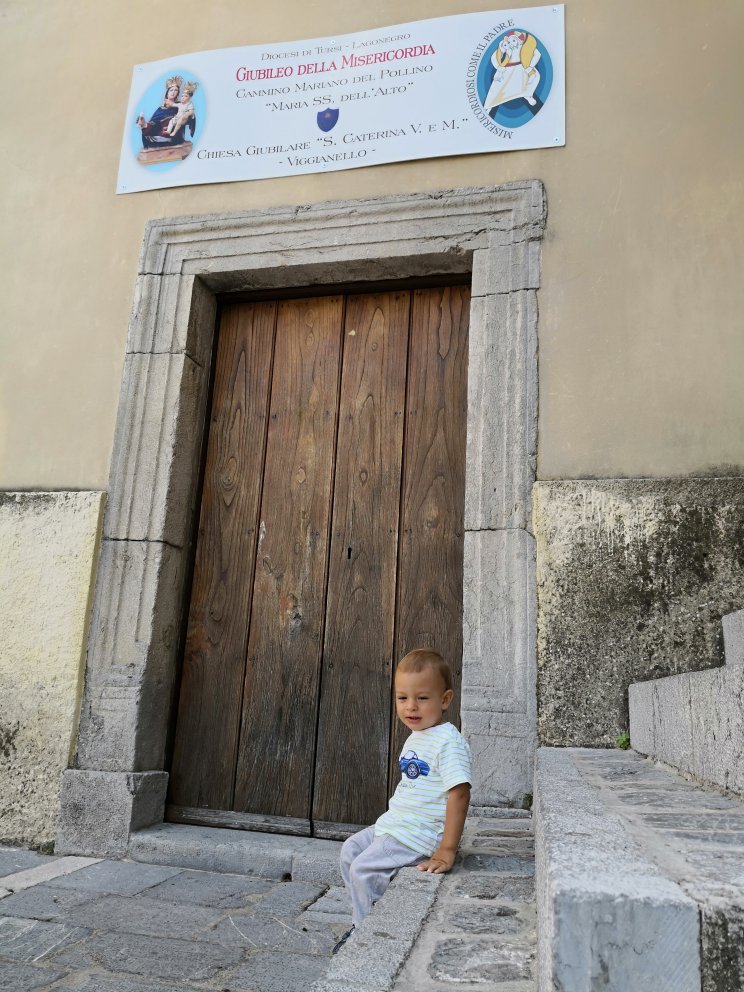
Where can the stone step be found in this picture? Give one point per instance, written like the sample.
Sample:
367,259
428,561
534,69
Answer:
695,722
480,933
639,877
241,852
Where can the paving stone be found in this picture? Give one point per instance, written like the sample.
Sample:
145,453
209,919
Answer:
309,916
270,971
73,958
368,960
718,866
484,919
151,917
109,983
211,889
125,878
275,934
328,985
488,887
515,867
25,977
666,800
710,820
288,899
44,873
427,985
43,903
335,900
13,859
480,961
400,913
30,940
708,837
498,828
162,957
498,813
503,846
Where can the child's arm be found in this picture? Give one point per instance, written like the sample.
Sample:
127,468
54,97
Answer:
443,858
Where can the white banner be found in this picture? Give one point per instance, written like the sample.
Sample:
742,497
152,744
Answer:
458,85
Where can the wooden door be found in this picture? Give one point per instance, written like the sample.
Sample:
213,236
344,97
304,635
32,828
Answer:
330,542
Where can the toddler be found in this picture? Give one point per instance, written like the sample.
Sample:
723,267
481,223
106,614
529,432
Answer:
426,814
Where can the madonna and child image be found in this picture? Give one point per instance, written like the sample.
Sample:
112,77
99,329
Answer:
514,78
169,121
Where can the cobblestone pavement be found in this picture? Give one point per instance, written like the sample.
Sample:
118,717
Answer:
481,932
122,926
118,926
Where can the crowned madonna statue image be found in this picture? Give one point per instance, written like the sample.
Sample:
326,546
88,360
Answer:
164,135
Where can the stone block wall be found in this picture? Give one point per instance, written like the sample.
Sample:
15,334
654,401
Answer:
48,545
633,578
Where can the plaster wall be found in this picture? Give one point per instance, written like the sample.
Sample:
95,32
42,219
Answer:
49,547
633,577
641,299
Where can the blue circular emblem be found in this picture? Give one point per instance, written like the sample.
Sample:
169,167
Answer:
514,78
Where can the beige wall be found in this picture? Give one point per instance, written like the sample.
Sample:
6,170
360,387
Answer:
641,304
49,547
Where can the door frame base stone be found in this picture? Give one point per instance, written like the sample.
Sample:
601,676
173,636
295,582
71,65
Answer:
119,781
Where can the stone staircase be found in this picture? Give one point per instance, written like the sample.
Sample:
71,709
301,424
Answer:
640,870
695,722
639,876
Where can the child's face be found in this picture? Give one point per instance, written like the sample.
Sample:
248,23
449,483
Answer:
421,698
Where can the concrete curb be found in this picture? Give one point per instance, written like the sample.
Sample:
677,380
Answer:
607,916
378,948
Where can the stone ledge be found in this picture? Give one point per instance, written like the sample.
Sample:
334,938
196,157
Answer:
606,914
242,852
371,959
694,835
695,722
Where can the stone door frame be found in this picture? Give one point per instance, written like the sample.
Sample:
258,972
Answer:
493,234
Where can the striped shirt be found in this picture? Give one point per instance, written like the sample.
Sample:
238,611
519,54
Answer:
432,762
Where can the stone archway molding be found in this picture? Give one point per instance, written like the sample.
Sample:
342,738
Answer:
118,783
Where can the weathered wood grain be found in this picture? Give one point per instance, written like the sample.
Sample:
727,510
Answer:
432,508
280,697
238,821
354,719
206,739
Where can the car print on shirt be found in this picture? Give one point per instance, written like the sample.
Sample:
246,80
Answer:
412,766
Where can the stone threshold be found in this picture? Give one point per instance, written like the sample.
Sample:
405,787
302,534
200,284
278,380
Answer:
240,852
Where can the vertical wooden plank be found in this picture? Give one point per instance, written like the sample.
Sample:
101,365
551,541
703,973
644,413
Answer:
433,501
354,718
214,661
280,699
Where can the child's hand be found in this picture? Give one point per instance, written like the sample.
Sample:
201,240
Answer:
440,862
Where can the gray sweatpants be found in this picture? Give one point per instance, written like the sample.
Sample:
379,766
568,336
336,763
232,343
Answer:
368,864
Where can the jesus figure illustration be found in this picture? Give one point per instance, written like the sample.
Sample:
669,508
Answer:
516,76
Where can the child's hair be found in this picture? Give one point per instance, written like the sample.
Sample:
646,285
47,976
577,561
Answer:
423,658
